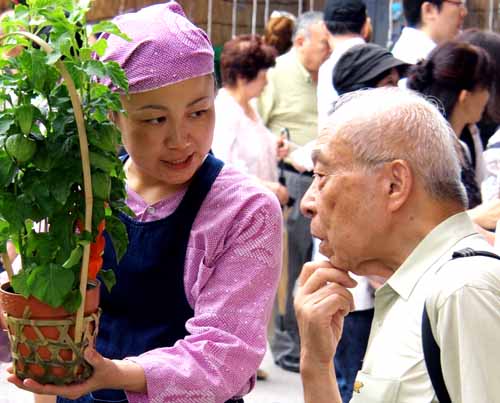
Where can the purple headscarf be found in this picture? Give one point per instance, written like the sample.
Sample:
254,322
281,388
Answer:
166,48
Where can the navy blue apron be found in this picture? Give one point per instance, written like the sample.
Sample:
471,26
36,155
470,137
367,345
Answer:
148,308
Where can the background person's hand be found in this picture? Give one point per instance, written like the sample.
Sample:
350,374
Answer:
486,214
282,147
282,194
321,302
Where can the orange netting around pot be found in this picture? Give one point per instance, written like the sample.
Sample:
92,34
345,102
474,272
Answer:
45,350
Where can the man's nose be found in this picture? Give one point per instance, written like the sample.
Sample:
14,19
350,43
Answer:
308,202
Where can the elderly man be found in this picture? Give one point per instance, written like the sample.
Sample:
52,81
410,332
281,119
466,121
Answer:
387,200
289,101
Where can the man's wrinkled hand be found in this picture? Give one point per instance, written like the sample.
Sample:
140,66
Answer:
321,302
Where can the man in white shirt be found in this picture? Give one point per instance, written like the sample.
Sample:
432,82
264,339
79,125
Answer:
429,24
348,24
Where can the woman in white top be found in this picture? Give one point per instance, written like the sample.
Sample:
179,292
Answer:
240,137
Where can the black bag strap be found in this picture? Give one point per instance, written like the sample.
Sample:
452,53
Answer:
432,352
432,356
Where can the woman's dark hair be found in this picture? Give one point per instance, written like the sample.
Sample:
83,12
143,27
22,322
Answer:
244,56
450,68
489,41
278,33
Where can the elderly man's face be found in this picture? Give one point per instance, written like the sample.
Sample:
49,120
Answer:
346,206
315,48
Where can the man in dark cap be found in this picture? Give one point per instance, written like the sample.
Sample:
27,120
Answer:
348,25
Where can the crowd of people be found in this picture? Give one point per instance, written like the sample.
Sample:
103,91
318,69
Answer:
372,174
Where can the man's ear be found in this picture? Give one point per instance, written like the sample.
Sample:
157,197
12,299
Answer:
367,30
398,183
428,12
299,40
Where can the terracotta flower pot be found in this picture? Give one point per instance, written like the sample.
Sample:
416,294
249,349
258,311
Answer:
42,337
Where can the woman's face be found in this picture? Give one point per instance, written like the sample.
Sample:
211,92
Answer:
168,131
476,102
390,80
255,87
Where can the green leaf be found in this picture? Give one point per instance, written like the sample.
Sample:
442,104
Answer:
101,161
5,125
41,247
20,283
11,212
101,185
51,284
108,26
119,237
38,69
53,57
95,68
116,75
7,169
72,301
24,116
99,47
74,258
43,159
105,137
60,185
108,277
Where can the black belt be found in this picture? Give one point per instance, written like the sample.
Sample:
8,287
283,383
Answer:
290,168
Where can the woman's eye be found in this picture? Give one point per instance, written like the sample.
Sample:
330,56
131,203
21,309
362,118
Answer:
156,121
199,113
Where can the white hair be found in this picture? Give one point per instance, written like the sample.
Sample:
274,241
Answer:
305,21
386,123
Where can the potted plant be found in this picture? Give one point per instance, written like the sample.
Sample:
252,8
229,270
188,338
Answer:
61,184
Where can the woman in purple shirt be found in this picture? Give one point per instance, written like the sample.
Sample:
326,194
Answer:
186,321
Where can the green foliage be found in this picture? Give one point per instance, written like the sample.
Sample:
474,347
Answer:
41,179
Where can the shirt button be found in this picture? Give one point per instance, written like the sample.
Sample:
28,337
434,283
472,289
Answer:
151,210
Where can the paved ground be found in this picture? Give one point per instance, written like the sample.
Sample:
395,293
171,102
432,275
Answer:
9,393
281,386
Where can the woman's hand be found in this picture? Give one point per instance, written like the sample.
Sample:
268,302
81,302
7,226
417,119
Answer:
321,302
108,374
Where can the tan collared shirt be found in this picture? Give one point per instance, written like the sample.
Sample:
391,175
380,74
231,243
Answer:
289,100
463,301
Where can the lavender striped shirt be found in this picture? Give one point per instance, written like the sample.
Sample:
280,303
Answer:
231,273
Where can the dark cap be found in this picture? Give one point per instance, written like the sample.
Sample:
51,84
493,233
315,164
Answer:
345,11
361,64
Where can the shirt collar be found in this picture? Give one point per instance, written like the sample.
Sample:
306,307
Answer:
302,69
344,46
433,247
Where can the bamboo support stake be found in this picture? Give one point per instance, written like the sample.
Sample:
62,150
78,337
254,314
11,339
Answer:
7,266
87,183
